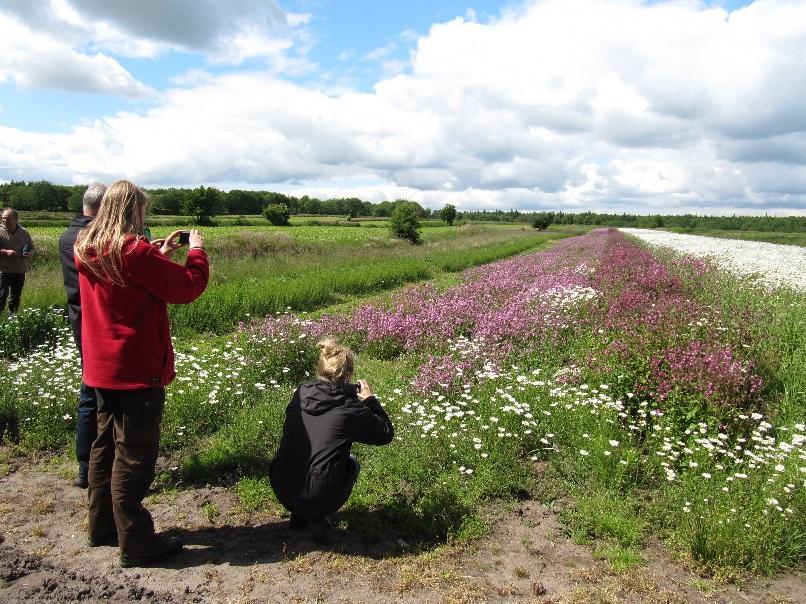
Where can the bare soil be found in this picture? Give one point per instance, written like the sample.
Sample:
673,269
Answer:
232,555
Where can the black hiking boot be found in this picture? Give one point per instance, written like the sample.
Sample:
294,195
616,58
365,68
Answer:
297,522
99,540
161,548
320,530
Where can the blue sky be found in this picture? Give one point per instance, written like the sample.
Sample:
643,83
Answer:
607,105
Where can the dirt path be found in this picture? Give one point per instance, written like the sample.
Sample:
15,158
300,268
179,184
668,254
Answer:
234,556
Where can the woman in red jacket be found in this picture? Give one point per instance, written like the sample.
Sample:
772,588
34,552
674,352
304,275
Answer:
125,284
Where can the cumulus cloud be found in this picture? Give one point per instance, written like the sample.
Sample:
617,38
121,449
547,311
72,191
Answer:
36,60
564,104
84,34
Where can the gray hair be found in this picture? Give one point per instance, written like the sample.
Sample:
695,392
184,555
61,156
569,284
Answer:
93,196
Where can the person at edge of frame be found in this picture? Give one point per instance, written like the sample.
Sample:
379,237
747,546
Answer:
16,246
313,472
86,421
125,285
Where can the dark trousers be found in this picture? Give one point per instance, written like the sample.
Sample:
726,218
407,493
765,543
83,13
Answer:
318,505
86,427
11,283
122,462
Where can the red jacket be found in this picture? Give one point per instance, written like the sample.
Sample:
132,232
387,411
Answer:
125,335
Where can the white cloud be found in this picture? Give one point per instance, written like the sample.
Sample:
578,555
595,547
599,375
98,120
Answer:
36,60
572,104
223,32
380,53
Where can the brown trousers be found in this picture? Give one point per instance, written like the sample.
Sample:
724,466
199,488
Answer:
122,462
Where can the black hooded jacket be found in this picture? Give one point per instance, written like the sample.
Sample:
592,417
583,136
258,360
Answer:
70,274
312,465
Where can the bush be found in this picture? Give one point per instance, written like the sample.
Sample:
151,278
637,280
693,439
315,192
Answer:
541,221
277,214
405,222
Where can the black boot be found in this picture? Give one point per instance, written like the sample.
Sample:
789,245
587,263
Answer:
160,548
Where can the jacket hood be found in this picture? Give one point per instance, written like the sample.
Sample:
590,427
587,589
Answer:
80,221
319,396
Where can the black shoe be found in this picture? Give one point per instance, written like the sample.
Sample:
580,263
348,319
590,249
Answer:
161,547
108,539
81,482
297,522
320,529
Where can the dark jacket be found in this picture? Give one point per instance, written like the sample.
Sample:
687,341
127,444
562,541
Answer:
313,462
70,274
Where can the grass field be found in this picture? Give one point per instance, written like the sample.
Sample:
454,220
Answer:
664,398
265,269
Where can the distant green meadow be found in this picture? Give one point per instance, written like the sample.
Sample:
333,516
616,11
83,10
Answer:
257,270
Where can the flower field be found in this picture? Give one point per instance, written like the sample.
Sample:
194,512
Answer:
771,264
661,395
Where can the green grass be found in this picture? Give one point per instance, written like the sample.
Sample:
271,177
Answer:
257,271
604,515
256,495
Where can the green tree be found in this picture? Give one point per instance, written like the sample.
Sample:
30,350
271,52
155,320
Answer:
167,201
277,214
244,202
541,221
202,203
75,203
448,213
405,221
384,209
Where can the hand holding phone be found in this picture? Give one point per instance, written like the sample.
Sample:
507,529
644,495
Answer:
364,391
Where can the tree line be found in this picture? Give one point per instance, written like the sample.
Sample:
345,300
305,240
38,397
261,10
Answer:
48,197
782,224
206,202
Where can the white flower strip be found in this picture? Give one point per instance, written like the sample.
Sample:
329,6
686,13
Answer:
774,265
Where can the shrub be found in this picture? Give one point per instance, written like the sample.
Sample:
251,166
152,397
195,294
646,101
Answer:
541,221
277,214
405,222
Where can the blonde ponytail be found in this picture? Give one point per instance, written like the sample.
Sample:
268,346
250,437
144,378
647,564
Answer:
336,362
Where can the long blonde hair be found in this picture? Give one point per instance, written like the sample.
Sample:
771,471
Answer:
100,246
336,362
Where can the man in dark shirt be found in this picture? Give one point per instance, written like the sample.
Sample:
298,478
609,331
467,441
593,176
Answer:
86,423
16,246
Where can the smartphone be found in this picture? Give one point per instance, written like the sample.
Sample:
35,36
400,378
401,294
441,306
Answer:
184,237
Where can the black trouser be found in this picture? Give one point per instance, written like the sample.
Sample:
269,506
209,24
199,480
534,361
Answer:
318,504
86,427
122,464
11,282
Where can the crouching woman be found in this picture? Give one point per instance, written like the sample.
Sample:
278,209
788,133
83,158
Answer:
313,472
